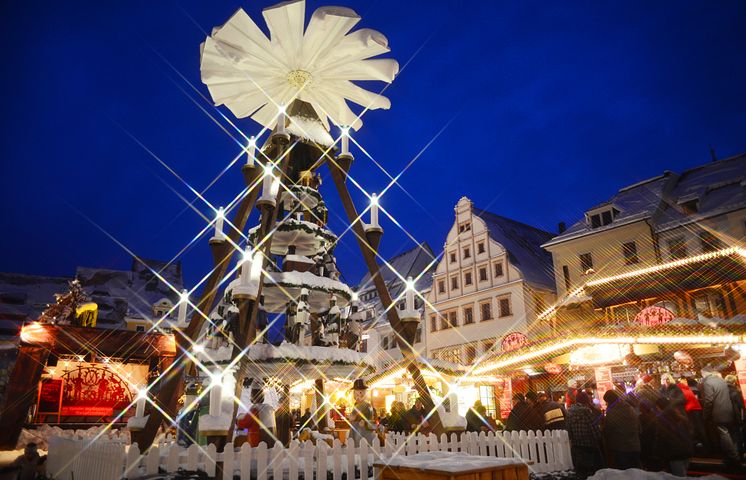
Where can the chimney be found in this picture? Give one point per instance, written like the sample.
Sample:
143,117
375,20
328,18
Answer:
561,227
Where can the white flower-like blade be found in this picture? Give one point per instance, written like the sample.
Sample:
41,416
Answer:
256,76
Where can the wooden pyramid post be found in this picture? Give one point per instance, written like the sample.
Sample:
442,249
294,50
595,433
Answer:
169,389
368,248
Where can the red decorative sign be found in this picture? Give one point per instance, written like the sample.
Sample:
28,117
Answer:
652,316
552,368
513,341
50,395
91,391
506,399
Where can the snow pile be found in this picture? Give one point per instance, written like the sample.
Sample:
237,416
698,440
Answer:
309,129
451,462
41,435
637,474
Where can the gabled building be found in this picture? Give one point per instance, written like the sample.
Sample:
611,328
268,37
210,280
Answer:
379,339
489,288
674,241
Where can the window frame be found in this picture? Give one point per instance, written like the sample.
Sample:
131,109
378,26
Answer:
468,315
468,281
488,304
485,277
454,282
500,313
586,262
629,252
499,269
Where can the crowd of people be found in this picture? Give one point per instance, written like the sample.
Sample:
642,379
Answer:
658,425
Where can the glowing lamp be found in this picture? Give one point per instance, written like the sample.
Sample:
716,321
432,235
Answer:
598,354
251,151
374,210
142,396
345,140
34,333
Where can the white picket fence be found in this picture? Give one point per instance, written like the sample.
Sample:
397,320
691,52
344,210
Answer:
72,460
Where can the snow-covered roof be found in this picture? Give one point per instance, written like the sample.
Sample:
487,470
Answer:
634,203
523,245
717,187
118,293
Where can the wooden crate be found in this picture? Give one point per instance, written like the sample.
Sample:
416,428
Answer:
502,472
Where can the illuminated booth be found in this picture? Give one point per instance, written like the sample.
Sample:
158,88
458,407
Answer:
80,376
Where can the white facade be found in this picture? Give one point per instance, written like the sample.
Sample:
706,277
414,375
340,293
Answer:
479,294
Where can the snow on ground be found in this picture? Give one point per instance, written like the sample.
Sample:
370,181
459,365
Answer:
637,474
451,462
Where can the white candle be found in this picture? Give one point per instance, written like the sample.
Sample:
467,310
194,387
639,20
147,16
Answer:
246,267
219,223
140,405
216,396
252,152
410,294
267,185
281,121
374,210
345,140
183,305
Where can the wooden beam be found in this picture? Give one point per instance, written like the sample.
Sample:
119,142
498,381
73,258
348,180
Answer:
19,395
169,391
339,174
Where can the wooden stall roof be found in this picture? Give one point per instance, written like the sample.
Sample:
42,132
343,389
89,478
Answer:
124,344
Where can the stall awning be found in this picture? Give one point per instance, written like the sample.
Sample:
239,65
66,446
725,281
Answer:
713,268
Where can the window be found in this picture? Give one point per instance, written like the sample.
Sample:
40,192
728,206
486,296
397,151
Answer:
488,399
499,269
629,250
586,262
602,218
468,315
385,343
452,319
486,310
444,321
471,354
480,247
467,278
482,274
467,252
441,286
464,227
453,257
454,283
140,328
677,248
433,323
710,242
566,275
418,335
505,307
364,346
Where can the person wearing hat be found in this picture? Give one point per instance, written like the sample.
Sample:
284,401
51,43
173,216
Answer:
361,415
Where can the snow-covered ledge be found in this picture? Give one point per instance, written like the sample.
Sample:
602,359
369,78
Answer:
135,423
210,425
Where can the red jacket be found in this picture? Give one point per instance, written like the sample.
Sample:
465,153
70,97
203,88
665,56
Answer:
692,402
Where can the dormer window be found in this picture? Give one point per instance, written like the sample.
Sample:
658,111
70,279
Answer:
689,204
464,227
601,217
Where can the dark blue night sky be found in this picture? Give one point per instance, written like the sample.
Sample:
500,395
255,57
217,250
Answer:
545,109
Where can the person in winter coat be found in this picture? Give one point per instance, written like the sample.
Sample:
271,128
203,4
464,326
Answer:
536,417
621,432
553,413
673,437
476,418
523,416
647,397
693,410
736,399
672,392
717,410
585,435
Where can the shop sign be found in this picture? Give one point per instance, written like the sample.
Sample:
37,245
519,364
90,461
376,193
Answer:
506,398
93,391
513,341
552,368
50,395
604,382
740,365
652,316
596,354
